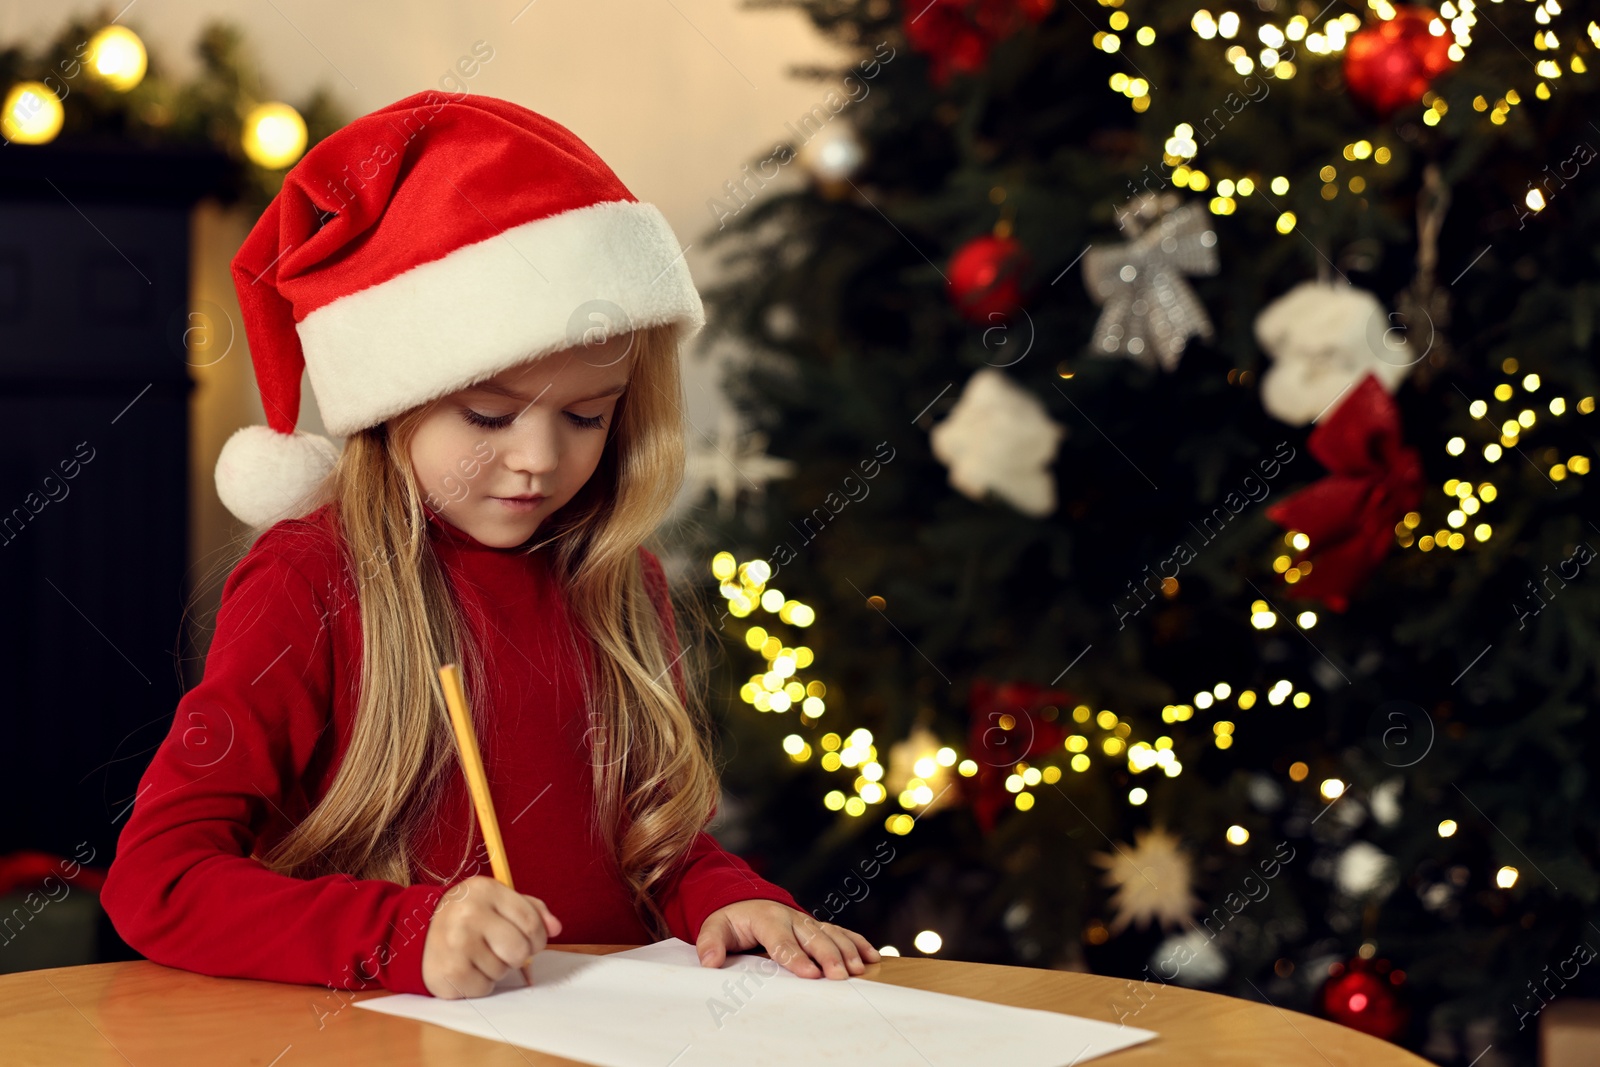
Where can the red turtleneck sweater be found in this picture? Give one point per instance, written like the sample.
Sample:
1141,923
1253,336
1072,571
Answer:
256,743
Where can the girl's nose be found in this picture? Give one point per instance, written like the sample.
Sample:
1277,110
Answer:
533,443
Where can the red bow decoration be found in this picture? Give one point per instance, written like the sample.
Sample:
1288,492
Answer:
1373,480
957,34
1007,726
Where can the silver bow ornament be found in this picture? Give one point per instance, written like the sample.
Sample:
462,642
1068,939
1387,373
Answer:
1149,312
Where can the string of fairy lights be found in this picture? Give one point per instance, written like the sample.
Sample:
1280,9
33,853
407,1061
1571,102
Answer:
1271,57
1104,736
1095,735
1466,498
273,135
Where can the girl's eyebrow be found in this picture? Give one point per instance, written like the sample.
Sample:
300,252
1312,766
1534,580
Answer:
500,390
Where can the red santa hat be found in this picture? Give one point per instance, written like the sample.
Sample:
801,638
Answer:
420,249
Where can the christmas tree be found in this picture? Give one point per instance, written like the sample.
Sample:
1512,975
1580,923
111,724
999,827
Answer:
1180,572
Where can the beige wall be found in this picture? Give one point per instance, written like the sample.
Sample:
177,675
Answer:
676,95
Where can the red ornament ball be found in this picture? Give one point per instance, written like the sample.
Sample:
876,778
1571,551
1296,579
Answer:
1390,63
956,35
985,278
1365,995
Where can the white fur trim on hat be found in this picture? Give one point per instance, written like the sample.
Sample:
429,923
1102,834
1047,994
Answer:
264,475
529,291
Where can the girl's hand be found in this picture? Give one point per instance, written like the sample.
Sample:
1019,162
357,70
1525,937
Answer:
792,938
479,931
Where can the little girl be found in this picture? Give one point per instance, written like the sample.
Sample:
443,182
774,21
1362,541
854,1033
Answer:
492,321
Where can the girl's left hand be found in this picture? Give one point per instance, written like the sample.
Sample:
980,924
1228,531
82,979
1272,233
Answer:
791,937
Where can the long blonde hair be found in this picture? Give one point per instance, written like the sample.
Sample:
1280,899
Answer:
655,782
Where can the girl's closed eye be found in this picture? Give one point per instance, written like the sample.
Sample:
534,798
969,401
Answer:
500,422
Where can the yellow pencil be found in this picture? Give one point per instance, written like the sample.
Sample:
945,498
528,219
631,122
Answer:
455,698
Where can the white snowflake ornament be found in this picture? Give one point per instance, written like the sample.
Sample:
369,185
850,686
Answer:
732,463
1151,882
1000,438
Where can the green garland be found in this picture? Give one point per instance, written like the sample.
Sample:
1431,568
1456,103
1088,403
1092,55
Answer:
161,111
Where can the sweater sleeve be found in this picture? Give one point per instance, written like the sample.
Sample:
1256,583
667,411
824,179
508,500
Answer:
710,877
184,888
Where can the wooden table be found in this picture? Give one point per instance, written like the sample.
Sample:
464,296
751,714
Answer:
148,1015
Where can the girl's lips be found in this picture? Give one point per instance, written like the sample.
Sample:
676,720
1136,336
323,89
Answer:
520,503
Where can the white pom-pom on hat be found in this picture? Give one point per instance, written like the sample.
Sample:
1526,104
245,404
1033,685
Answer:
264,475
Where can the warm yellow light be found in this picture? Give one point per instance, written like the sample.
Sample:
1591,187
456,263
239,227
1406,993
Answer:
1332,788
32,115
1137,796
275,138
1447,828
1237,835
927,942
1286,222
1298,771
1505,877
117,55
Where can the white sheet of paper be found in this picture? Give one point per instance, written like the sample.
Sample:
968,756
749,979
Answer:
655,1005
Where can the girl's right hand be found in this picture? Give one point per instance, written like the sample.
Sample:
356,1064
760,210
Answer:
479,931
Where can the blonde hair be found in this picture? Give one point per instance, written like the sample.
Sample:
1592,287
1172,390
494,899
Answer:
655,782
